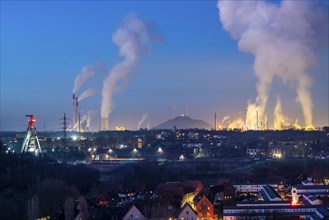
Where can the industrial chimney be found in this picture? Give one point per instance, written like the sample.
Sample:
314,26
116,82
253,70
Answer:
215,121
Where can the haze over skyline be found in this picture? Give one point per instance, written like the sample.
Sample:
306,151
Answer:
44,45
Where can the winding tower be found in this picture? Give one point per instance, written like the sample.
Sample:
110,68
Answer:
31,142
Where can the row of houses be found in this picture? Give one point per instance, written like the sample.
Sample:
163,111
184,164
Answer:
192,200
176,200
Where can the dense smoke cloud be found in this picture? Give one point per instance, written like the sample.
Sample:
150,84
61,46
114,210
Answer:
283,38
131,37
86,74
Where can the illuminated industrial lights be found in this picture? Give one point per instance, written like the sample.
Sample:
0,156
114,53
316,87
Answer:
110,150
277,155
135,150
293,203
74,138
160,150
181,157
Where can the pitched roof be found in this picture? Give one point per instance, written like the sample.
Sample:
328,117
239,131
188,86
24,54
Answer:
184,206
206,197
133,207
207,193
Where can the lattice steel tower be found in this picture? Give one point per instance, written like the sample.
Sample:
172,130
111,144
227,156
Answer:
31,142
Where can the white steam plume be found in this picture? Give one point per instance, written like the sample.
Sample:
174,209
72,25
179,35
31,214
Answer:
283,38
131,37
83,119
86,73
225,118
279,120
236,124
88,120
296,125
226,121
144,116
87,93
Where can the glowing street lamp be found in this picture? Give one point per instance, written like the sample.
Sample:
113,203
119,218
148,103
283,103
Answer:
160,150
181,157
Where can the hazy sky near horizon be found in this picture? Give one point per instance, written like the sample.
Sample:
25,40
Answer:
45,44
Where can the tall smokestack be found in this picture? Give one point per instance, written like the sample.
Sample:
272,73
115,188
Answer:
257,120
105,124
215,122
79,122
73,110
76,111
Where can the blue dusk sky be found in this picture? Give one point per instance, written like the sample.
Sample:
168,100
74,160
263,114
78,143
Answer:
45,44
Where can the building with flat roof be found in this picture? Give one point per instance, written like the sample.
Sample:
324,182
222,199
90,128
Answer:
252,187
262,212
269,194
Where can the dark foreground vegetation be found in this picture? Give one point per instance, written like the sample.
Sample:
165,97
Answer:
29,184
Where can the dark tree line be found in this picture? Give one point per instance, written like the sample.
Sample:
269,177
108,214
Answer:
40,185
